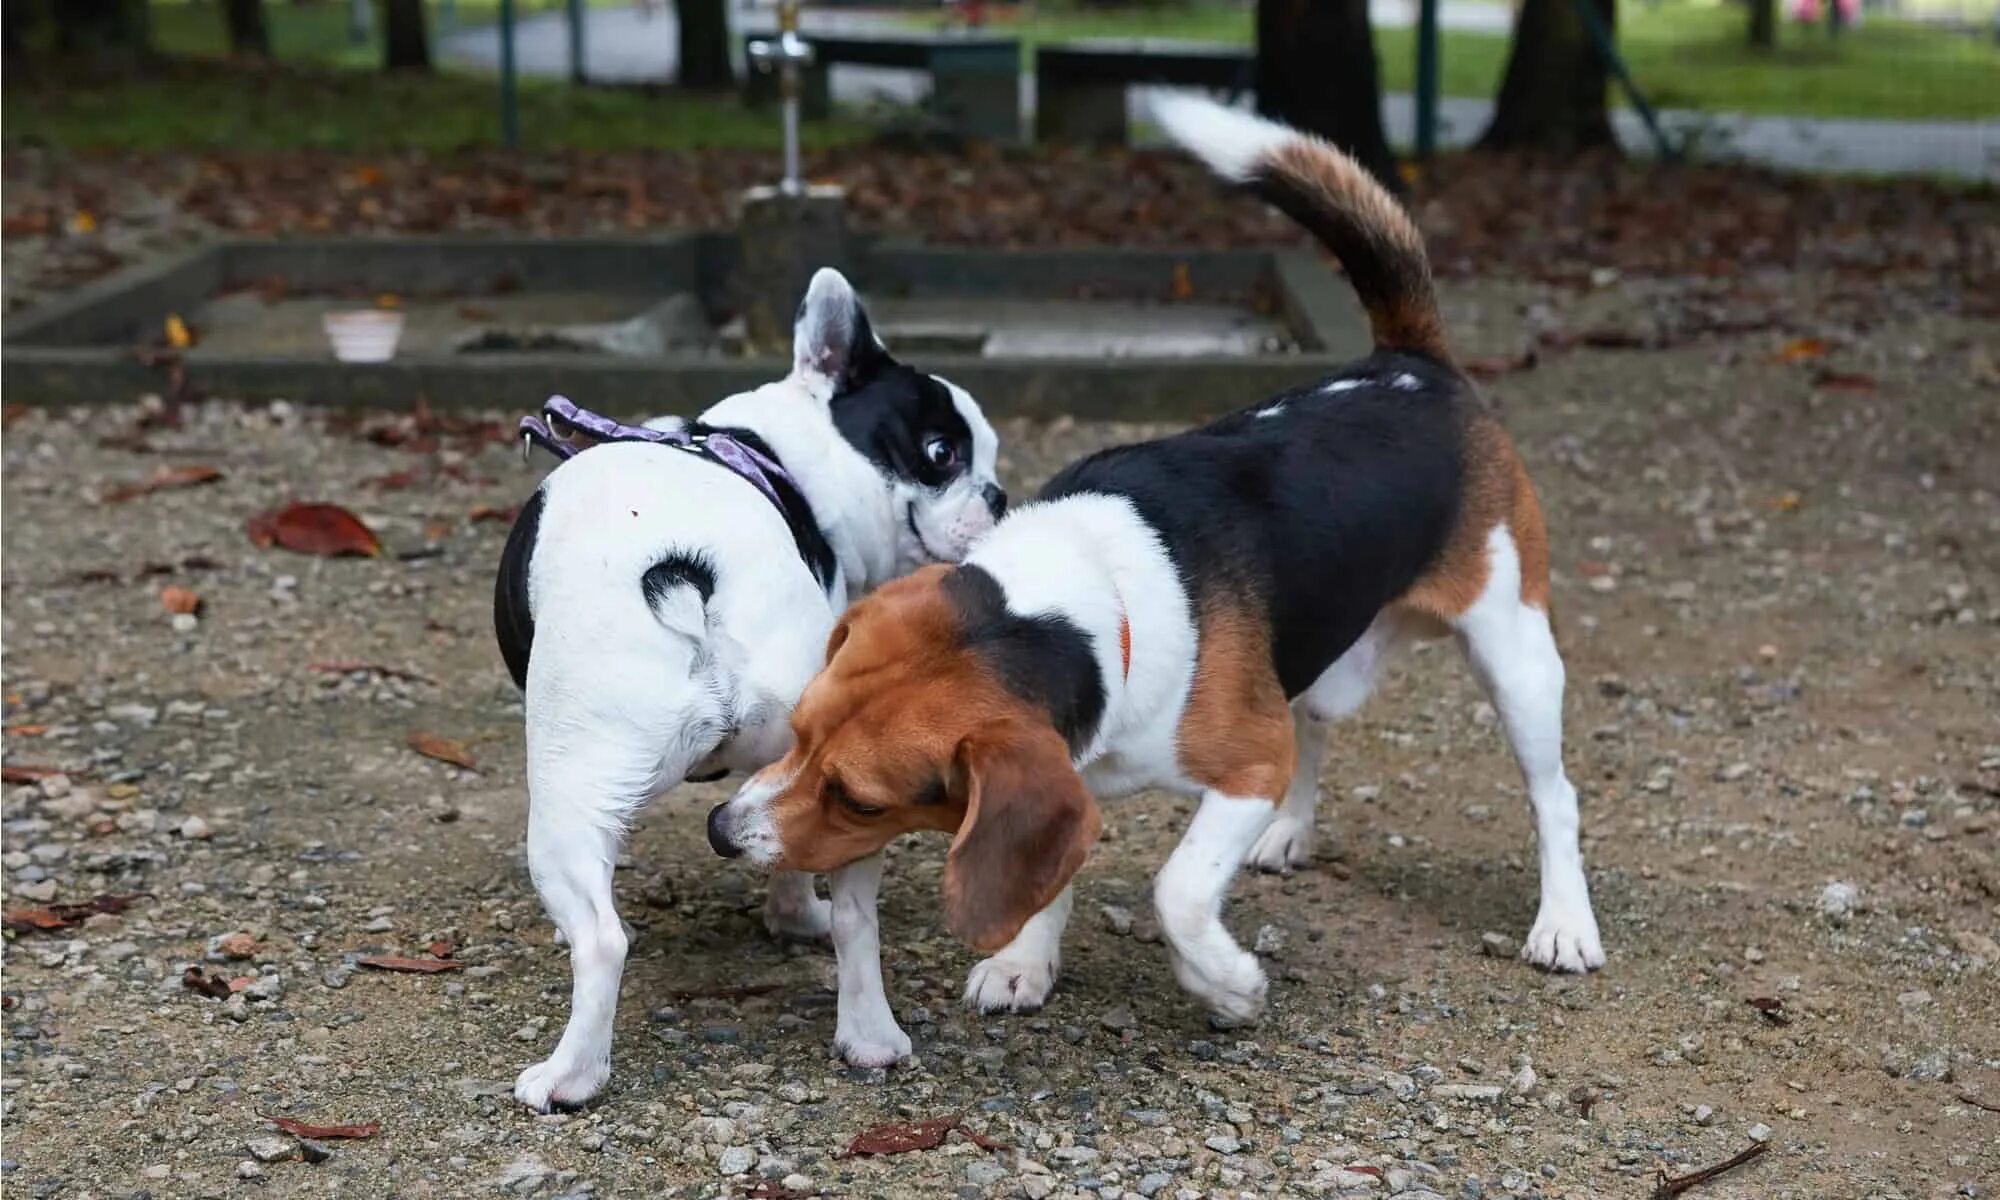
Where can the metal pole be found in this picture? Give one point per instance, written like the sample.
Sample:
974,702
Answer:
1427,77
510,113
576,46
1602,36
789,55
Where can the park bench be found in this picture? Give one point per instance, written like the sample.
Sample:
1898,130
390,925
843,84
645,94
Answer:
1080,86
975,78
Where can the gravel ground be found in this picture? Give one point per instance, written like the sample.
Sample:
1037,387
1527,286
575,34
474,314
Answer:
1780,607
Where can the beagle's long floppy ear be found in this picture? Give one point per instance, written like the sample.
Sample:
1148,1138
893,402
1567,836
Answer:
1029,824
832,340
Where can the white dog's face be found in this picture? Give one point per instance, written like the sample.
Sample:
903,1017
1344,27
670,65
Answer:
937,453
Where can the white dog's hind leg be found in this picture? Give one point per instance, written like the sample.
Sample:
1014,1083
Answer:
1513,652
793,912
1188,893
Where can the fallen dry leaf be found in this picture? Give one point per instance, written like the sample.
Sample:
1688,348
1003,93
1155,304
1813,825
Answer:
179,336
487,512
431,745
1771,1008
902,1137
26,730
1183,282
1789,502
415,966
324,529
439,949
1802,349
215,987
179,600
366,1129
1843,381
62,916
12,413
163,479
23,773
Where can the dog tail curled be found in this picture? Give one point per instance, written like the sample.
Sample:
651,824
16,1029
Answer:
1335,199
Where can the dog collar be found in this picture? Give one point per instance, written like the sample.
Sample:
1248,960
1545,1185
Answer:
735,452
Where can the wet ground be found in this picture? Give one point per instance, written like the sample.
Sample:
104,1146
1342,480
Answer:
1780,605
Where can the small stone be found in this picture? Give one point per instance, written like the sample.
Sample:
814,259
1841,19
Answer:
379,925
1704,1115
1155,1183
735,1160
1152,1118
55,787
793,1092
1733,772
1037,1187
1223,1143
1524,1081
796,1182
232,946
1118,1019
195,829
1117,920
337,975
313,1152
1497,945
1270,940
267,988
184,622
236,1008
1752,954
270,1149
1838,900
984,1172
1485,1093
249,1170
1759,1132
1918,998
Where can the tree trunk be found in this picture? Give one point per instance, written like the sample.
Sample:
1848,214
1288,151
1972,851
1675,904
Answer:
1552,97
1763,23
406,44
247,37
705,45
1316,71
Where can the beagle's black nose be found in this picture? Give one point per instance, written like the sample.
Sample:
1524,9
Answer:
717,838
996,500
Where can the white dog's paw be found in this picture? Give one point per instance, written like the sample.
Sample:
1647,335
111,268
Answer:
1564,939
546,1085
1231,982
1284,846
798,919
1009,985
872,1044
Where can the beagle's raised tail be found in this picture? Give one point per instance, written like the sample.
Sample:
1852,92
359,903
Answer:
1335,199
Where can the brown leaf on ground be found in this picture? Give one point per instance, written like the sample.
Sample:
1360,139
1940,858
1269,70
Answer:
487,512
163,479
12,413
23,773
1494,368
321,1133
62,916
414,966
1770,1008
902,1137
179,600
394,481
439,949
444,750
323,529
1802,350
346,667
215,987
26,730
1843,381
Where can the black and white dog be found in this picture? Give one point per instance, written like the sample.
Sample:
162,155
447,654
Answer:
662,612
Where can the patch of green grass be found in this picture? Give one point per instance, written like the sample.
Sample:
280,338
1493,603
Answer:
1684,55
298,107
314,32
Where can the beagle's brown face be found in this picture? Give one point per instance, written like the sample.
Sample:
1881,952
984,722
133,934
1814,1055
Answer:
908,729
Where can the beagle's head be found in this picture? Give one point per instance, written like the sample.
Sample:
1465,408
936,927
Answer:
923,719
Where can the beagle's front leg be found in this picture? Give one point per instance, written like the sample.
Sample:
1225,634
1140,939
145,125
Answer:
865,1030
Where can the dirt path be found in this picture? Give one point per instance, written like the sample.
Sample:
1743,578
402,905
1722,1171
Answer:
1781,610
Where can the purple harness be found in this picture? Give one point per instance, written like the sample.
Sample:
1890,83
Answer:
560,414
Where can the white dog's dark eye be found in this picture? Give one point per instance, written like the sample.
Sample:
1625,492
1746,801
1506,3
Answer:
941,452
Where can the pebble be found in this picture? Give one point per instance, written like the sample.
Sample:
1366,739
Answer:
1759,1132
1153,1183
195,829
1270,940
984,1172
736,1160
184,622
1524,1081
1704,1115
1118,1019
1498,945
337,975
796,1182
1484,1093
1117,920
269,1149
250,1170
1223,1143
313,1152
1733,772
1838,900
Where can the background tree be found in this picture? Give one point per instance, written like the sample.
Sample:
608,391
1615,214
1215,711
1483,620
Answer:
1316,71
1553,95
102,29
704,40
1763,23
247,36
406,44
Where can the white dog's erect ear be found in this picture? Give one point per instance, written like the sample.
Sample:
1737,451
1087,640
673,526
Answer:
832,338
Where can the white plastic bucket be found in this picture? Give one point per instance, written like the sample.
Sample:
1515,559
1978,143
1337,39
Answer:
364,335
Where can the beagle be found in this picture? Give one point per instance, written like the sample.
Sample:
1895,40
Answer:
662,605
1190,614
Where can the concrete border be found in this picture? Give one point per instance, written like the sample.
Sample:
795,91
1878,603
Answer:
78,350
